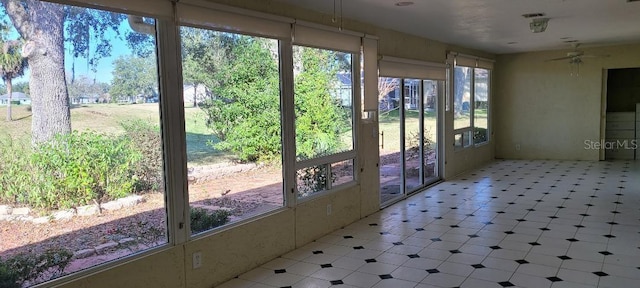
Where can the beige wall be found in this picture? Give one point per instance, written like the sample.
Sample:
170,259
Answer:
236,250
163,270
549,113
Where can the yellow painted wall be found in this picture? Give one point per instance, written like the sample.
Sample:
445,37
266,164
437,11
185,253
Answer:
163,270
229,253
545,110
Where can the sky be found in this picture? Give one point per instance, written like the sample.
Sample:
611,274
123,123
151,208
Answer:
105,65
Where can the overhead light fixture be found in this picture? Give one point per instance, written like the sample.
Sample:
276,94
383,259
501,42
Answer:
538,25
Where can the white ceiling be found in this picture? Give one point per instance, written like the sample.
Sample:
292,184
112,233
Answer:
493,25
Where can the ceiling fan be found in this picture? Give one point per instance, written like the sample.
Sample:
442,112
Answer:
575,58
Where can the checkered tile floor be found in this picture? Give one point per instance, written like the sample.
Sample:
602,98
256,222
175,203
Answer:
510,224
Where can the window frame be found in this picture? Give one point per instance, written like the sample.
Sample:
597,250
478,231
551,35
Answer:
470,130
334,158
281,102
172,116
168,119
486,142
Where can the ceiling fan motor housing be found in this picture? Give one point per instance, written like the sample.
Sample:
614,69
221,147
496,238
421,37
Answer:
575,53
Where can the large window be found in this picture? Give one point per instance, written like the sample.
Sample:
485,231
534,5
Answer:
324,108
100,105
233,126
81,164
462,78
471,93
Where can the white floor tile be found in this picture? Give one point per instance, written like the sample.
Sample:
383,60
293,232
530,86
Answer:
360,279
395,283
490,274
543,206
443,280
332,273
312,283
283,279
529,281
378,268
410,274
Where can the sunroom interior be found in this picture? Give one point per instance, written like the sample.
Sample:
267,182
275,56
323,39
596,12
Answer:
517,104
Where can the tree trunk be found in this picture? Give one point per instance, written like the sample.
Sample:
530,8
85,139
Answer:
195,95
49,97
41,24
9,94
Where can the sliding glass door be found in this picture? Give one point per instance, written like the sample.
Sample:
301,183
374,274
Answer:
409,129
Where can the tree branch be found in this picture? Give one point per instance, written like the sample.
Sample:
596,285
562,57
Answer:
8,45
385,86
19,17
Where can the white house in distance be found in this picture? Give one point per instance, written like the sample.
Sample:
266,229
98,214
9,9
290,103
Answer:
200,91
15,96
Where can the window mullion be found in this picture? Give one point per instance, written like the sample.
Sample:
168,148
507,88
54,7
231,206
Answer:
472,101
421,132
356,110
401,113
172,117
288,122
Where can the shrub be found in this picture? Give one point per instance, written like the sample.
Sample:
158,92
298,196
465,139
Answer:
8,278
203,219
479,135
314,179
15,171
245,115
79,168
147,141
320,119
414,144
33,268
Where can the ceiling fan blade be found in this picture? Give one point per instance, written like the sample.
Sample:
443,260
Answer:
595,55
561,58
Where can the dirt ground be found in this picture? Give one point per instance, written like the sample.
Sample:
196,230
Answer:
244,190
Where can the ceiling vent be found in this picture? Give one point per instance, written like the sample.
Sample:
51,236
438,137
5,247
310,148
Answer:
534,15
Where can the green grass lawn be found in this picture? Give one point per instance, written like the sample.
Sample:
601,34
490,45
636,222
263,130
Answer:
106,118
389,124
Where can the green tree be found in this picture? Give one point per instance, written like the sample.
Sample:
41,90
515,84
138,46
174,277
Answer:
245,114
45,27
200,46
12,64
78,87
22,86
132,77
83,86
319,119
461,85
